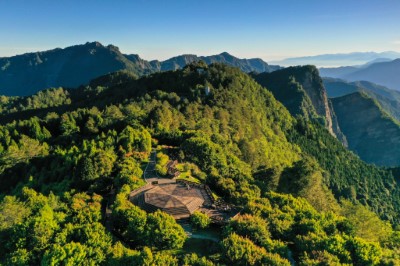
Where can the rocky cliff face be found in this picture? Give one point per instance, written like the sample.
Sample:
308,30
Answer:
294,87
311,83
336,127
371,133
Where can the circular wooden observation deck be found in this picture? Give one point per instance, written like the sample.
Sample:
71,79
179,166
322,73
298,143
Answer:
177,199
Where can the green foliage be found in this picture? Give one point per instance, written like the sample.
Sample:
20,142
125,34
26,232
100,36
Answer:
66,176
158,229
200,220
42,99
94,168
305,180
23,151
135,140
194,260
56,231
121,255
252,227
366,224
242,251
129,172
294,219
347,176
68,125
129,220
69,254
163,232
161,258
161,163
12,212
365,253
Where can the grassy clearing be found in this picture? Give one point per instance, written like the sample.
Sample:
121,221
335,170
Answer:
186,173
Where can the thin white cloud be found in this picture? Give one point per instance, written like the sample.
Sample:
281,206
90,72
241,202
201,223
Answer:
396,42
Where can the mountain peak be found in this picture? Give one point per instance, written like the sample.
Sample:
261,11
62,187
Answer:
64,67
226,54
93,44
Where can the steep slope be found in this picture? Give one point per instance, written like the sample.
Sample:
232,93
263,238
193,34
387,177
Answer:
370,132
69,67
301,90
388,99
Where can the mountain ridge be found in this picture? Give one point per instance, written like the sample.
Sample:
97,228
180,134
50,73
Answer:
371,132
383,73
387,98
76,65
340,59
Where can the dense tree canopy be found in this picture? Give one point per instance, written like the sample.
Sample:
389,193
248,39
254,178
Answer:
70,158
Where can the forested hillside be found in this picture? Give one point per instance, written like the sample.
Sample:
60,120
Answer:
70,158
372,133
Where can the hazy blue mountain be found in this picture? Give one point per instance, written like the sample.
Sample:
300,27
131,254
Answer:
246,65
336,60
388,99
76,65
339,72
378,60
338,87
384,73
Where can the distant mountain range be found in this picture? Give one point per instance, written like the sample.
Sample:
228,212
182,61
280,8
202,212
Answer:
336,60
388,99
383,73
77,65
246,65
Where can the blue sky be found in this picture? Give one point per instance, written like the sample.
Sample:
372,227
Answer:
161,29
